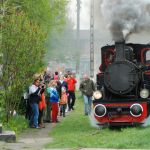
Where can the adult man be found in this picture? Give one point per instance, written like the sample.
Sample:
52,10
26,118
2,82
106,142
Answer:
71,90
34,92
87,87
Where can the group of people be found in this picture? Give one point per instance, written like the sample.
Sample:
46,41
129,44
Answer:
48,97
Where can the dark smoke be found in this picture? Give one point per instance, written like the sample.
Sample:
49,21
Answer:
126,17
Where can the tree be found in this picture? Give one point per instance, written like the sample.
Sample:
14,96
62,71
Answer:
25,26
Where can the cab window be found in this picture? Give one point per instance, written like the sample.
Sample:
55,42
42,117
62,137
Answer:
109,57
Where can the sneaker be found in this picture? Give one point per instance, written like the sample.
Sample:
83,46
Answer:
37,127
41,126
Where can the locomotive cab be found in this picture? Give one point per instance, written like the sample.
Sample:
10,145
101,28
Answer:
124,84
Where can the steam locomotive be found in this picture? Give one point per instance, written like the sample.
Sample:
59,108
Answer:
123,83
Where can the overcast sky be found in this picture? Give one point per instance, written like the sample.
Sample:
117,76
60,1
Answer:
84,13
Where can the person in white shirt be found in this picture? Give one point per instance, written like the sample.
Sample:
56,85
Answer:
34,98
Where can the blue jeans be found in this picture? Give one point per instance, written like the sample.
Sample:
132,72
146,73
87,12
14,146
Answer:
35,115
87,104
62,109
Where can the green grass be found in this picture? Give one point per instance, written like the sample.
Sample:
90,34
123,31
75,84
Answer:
75,131
17,124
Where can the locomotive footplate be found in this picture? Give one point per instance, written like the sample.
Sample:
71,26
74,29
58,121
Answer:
120,112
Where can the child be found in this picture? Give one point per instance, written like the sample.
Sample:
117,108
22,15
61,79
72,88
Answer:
63,101
54,98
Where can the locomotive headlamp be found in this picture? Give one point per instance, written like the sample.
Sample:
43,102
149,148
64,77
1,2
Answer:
100,110
97,94
136,110
144,93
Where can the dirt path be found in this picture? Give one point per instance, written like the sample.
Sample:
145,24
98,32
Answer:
32,139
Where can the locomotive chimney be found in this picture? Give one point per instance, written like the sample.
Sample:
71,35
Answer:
120,51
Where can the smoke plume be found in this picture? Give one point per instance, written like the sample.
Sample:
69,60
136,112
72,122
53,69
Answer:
126,17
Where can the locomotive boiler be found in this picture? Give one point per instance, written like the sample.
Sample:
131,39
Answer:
123,84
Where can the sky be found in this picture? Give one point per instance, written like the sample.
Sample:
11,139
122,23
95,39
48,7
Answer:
84,13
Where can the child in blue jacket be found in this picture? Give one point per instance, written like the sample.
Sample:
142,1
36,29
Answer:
54,99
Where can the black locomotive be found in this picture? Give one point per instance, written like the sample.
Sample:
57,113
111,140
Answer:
123,84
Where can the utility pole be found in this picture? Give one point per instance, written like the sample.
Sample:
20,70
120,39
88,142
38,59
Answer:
92,40
78,18
78,36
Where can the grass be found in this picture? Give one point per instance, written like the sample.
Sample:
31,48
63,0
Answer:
75,131
17,124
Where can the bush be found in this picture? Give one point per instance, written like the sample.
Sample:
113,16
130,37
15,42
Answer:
25,25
